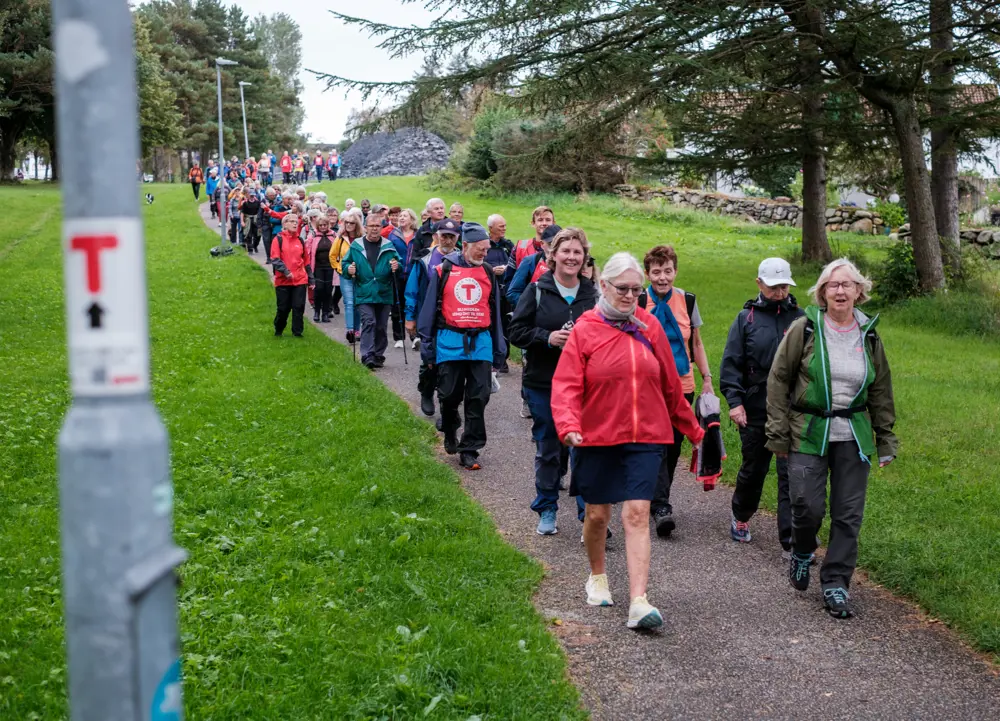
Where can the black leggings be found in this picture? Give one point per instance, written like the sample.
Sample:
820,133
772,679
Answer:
324,290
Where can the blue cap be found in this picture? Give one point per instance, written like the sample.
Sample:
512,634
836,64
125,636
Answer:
448,227
473,233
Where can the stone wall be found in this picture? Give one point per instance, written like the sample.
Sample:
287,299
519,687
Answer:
987,239
757,210
407,151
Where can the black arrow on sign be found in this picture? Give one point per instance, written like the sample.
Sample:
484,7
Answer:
95,312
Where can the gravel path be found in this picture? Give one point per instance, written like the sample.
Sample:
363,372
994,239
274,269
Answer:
738,642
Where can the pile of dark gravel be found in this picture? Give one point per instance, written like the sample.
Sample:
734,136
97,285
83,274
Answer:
407,151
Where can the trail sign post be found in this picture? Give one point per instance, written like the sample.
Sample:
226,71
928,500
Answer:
118,555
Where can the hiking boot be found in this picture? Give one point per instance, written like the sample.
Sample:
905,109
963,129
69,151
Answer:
380,362
427,405
316,317
798,571
450,443
740,531
525,410
469,461
369,364
837,602
324,318
547,523
642,614
786,554
663,519
598,593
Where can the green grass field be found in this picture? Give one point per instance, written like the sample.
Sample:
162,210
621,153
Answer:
337,570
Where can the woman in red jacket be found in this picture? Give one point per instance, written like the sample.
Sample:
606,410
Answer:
288,259
616,398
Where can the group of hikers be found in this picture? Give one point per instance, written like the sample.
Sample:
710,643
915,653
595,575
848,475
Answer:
608,366
291,168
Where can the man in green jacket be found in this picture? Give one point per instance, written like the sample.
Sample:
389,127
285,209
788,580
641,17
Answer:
372,263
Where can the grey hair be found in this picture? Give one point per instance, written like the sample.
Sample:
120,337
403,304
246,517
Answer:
316,213
322,195
432,201
457,205
818,291
493,220
299,188
620,263
349,204
300,207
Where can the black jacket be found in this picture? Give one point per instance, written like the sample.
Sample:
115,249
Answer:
753,340
421,242
532,323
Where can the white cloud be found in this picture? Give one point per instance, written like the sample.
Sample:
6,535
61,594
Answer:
330,46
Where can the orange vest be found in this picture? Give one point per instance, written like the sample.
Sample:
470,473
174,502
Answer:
541,269
465,298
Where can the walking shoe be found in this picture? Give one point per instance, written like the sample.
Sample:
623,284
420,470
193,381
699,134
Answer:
642,614
398,344
798,571
380,362
525,410
740,531
450,443
414,344
504,368
786,553
336,310
370,365
837,602
663,519
598,593
547,523
324,318
316,317
494,383
427,405
469,461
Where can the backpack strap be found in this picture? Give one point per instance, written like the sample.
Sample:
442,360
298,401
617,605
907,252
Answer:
445,266
689,301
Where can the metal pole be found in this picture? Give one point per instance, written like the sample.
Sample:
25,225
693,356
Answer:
223,200
246,138
115,491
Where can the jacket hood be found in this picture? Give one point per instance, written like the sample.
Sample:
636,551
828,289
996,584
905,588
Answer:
815,314
770,306
587,288
360,243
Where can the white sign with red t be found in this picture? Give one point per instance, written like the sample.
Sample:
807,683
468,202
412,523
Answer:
107,318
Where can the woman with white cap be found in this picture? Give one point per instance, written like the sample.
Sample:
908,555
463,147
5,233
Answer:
753,340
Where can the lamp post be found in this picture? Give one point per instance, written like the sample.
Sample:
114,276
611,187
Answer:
243,104
223,206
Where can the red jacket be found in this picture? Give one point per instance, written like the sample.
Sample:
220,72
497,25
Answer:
611,389
285,163
524,248
293,255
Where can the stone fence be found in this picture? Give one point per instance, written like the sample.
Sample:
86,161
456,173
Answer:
757,210
987,239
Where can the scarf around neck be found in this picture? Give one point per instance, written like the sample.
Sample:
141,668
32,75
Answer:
663,313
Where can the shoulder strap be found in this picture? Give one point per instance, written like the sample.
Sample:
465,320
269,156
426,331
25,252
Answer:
689,300
643,300
445,272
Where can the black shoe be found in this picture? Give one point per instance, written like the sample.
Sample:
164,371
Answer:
351,337
450,443
504,368
837,602
380,362
469,461
798,571
336,310
664,521
297,335
427,405
370,365
277,333
324,318
316,317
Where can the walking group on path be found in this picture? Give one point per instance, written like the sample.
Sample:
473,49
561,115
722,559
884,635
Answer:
608,368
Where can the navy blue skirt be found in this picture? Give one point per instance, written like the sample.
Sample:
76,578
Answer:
613,474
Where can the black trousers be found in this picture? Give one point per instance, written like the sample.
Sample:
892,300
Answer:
265,235
397,319
234,229
337,295
323,293
750,482
196,187
288,178
251,238
291,298
467,381
665,476
427,380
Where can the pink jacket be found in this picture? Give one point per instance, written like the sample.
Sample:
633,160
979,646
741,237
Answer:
311,242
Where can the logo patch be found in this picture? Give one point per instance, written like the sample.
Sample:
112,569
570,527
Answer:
468,291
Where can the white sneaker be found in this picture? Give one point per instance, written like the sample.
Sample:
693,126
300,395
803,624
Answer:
398,344
598,593
643,615
525,410
414,344
494,383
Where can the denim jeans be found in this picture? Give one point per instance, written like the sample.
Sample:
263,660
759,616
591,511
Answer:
350,316
551,456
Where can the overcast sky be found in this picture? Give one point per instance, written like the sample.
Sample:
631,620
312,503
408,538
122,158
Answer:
330,46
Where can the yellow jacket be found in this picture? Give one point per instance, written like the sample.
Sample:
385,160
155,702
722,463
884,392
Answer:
341,246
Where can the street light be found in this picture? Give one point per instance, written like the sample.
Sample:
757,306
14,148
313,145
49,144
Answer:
246,138
223,207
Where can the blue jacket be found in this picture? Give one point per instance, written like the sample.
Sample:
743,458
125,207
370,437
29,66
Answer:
498,256
211,184
416,283
400,245
522,277
440,345
276,222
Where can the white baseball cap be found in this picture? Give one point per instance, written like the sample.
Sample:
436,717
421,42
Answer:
775,271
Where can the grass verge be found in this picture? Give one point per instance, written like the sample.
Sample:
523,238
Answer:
337,569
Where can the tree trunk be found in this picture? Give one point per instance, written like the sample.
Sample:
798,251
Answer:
923,227
944,158
54,161
34,156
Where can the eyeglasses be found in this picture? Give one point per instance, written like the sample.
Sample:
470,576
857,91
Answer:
845,284
624,290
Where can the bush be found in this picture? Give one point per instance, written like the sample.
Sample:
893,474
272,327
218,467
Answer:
481,161
832,193
896,278
892,213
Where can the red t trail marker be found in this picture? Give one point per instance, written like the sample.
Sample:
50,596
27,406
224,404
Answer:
92,245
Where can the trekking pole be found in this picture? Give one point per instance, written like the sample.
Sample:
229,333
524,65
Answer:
402,316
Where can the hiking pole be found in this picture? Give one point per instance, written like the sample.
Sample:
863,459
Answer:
398,301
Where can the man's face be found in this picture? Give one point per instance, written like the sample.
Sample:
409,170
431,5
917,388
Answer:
541,222
498,229
436,212
446,242
302,195
475,253
373,227
365,206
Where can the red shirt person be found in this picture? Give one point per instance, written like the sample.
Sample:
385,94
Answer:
288,258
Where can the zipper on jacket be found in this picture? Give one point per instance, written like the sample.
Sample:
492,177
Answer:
864,385
635,397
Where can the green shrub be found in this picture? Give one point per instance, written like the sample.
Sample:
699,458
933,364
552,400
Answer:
892,213
896,277
832,193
